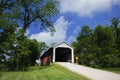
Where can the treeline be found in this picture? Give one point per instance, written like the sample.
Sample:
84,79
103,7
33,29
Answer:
17,51
99,47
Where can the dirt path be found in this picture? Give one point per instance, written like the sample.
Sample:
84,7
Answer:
91,73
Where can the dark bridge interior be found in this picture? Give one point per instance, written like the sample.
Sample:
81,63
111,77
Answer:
62,54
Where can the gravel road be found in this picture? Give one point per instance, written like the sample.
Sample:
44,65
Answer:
91,73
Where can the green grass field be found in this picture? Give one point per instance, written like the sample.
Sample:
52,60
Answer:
54,72
116,70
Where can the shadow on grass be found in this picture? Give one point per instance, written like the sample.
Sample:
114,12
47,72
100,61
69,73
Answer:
116,70
32,68
0,74
24,69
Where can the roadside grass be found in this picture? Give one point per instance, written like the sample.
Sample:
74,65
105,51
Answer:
115,70
54,72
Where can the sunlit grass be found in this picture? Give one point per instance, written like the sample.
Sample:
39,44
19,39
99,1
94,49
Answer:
54,72
116,70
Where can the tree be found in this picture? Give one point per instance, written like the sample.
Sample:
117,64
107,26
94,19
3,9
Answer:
43,46
84,45
98,48
116,28
7,38
25,12
35,49
104,38
115,24
15,17
13,47
29,11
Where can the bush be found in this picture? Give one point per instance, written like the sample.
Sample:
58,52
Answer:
3,67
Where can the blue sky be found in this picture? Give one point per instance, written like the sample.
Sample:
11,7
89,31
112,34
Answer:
73,15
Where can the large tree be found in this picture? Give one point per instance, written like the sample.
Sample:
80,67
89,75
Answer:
104,38
115,24
15,17
84,46
100,47
29,11
35,49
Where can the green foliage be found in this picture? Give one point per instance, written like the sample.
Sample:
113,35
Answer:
104,36
100,47
25,12
42,46
17,52
84,46
35,48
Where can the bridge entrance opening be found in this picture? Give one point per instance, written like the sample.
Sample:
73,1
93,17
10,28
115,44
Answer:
63,54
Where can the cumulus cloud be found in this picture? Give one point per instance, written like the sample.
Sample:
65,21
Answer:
27,32
61,26
71,39
87,7
76,30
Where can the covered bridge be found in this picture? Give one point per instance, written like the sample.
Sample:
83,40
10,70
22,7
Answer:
59,53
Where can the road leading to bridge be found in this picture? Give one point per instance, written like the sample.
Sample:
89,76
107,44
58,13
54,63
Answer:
91,73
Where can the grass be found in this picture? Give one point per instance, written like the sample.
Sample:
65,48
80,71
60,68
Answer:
116,70
54,72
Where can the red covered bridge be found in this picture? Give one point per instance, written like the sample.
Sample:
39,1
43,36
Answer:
59,53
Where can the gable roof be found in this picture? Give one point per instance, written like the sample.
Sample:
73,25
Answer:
63,44
44,51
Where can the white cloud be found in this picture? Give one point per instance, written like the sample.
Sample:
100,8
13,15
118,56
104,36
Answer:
76,30
71,39
61,26
87,7
27,32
